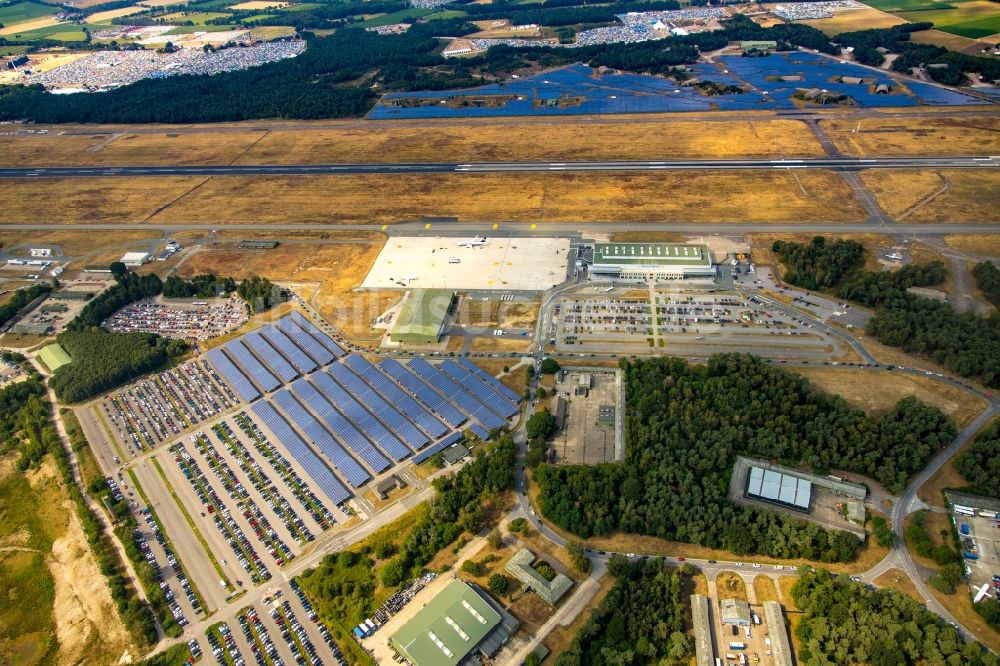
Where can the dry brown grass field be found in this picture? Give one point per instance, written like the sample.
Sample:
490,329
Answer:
729,585
934,135
877,392
958,195
986,244
764,589
855,19
760,245
899,581
76,243
384,142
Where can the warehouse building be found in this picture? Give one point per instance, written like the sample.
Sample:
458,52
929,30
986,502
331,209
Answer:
459,626
650,262
134,259
780,645
735,611
704,649
423,316
784,489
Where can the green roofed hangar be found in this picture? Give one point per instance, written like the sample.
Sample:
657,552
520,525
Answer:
423,316
54,356
645,262
454,628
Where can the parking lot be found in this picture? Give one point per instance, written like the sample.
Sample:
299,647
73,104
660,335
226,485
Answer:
197,320
683,323
980,537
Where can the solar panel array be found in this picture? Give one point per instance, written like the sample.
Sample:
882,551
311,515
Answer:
348,466
397,396
314,467
319,335
401,425
440,446
249,362
291,351
479,431
308,343
457,394
423,393
344,429
233,375
489,379
360,416
272,358
482,391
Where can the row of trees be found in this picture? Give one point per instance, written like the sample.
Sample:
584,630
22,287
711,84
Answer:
200,286
819,264
129,288
20,299
844,622
684,426
641,621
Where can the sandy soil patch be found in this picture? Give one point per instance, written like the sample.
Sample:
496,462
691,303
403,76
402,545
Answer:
877,392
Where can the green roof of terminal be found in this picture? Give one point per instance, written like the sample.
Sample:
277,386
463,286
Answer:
445,630
423,314
651,254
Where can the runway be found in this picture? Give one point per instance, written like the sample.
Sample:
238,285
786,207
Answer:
829,163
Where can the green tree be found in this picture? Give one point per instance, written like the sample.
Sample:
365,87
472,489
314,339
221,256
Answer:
549,366
498,584
392,572
472,568
541,424
494,538
578,556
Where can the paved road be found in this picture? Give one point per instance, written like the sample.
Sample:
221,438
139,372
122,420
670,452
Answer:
834,163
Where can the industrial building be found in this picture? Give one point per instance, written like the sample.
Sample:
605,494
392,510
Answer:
134,259
551,591
735,611
771,486
422,318
455,627
780,646
650,262
704,649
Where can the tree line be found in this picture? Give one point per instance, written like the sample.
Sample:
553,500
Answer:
988,280
844,622
819,264
980,464
642,620
685,424
20,299
200,286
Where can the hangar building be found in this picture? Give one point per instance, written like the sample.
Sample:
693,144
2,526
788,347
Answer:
422,318
645,262
785,489
454,628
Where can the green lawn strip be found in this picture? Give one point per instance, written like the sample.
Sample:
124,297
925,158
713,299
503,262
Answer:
214,630
107,430
236,543
242,503
190,522
286,474
256,637
166,538
266,488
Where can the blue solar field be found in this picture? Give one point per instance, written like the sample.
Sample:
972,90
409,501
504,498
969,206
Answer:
577,90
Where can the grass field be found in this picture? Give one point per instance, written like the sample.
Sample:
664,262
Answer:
764,589
63,32
380,142
909,5
979,244
106,16
877,392
198,18
729,585
25,11
77,243
762,196
970,196
929,135
856,19
395,17
966,18
945,39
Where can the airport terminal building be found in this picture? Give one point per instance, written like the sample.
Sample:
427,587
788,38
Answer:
650,262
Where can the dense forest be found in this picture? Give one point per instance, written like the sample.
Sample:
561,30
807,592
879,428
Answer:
818,264
319,83
988,280
980,464
102,360
965,343
844,622
130,288
685,424
641,621
20,299
200,286
258,292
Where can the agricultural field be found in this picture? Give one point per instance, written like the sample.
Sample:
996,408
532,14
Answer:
396,17
856,19
23,12
974,19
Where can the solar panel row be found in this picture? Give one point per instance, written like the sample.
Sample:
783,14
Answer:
489,379
479,389
309,344
397,396
440,446
233,375
456,394
423,393
272,358
348,466
479,431
360,417
291,351
341,427
249,362
319,335
401,425
313,466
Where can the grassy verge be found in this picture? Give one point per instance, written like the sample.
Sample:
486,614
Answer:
190,522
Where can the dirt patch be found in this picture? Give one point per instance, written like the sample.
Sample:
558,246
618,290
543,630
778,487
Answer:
877,392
